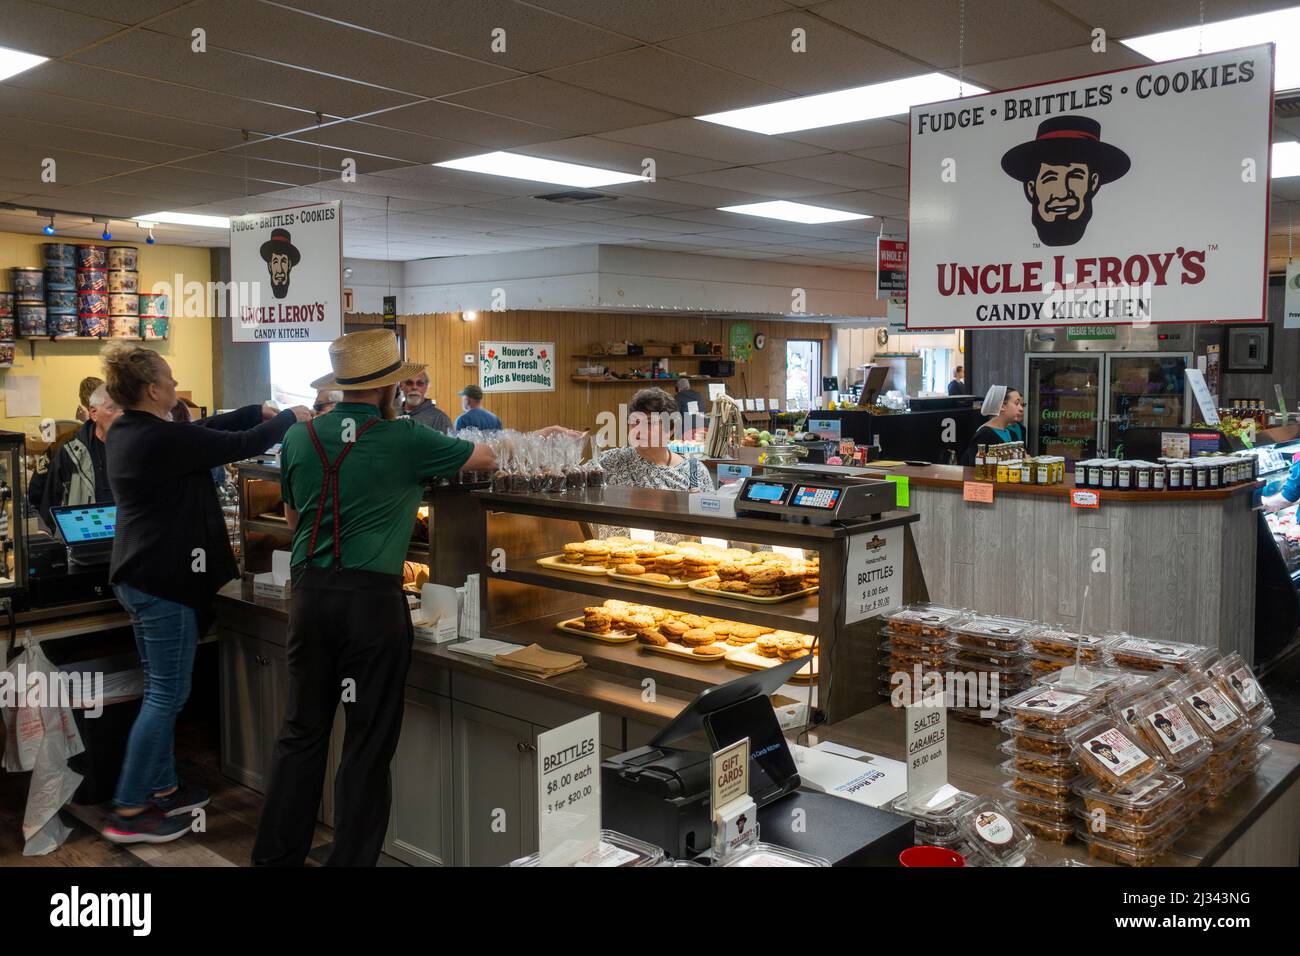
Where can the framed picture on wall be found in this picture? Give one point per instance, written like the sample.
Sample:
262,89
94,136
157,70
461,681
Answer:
1250,348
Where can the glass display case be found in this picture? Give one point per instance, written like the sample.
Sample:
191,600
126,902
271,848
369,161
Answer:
13,493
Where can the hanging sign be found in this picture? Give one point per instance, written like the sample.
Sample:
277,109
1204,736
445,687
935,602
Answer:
1129,197
390,312
1291,298
516,366
286,272
891,268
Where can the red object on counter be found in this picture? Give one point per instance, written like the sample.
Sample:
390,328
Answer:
930,856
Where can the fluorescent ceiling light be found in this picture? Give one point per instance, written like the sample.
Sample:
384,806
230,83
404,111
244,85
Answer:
13,62
793,212
186,219
1286,160
844,106
516,166
1281,27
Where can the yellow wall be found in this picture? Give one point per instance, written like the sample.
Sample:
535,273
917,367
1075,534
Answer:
62,365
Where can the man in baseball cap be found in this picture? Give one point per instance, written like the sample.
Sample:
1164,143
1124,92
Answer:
475,416
351,480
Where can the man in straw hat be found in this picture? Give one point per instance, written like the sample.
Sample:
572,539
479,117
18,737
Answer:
352,479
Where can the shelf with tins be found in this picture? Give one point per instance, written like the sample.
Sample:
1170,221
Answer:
524,602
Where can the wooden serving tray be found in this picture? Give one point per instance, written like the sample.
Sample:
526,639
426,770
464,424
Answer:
775,599
748,658
675,584
555,562
613,637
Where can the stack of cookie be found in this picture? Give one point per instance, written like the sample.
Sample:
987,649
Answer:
597,620
786,645
698,565
766,574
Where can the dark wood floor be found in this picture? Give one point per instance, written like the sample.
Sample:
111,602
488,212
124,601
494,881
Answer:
231,819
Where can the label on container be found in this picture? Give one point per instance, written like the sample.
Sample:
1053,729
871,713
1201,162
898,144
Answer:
1134,794
1116,751
1214,710
1144,648
1050,702
1173,728
994,828
607,855
1243,681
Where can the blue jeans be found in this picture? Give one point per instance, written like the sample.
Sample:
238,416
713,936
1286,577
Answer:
166,634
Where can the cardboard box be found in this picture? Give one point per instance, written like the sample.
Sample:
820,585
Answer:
656,349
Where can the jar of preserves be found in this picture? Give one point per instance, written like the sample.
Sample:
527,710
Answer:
1173,475
1200,477
1159,476
1108,473
1142,475
1093,473
1124,476
1189,475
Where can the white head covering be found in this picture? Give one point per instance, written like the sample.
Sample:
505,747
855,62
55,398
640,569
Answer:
993,399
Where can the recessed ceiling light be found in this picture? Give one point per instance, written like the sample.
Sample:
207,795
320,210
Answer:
1286,160
793,212
844,106
535,169
186,219
1281,27
13,62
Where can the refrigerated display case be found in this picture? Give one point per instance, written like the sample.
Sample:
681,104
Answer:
13,530
1277,564
1064,395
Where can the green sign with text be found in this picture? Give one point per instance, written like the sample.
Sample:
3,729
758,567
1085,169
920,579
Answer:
1080,333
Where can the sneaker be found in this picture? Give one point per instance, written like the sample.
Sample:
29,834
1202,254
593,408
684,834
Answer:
149,826
181,800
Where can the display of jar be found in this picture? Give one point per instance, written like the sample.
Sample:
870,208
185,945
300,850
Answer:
1124,476
1108,468
1173,474
1159,476
1189,475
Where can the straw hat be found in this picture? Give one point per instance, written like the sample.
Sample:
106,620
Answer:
366,360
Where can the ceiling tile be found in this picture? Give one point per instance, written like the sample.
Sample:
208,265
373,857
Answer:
35,28
852,172
886,131
760,182
608,154
563,106
667,82
463,125
1123,18
711,141
893,155
655,20
1057,65
379,141
685,194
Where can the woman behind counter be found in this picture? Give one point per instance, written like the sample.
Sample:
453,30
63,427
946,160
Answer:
648,462
1007,408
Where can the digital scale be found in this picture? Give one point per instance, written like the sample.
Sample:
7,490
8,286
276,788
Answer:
805,494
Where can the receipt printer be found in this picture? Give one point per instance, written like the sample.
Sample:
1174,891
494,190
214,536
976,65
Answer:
661,795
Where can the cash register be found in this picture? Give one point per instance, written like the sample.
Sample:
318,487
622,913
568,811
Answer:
73,566
812,494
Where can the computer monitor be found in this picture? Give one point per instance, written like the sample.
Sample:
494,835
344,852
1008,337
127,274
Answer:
85,524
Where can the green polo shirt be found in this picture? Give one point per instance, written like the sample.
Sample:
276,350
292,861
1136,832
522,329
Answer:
380,485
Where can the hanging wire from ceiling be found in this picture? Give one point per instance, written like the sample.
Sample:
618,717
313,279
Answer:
961,50
387,254
1200,36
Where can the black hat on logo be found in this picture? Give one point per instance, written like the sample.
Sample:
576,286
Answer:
1066,139
279,242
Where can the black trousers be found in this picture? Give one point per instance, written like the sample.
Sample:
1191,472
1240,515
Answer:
349,626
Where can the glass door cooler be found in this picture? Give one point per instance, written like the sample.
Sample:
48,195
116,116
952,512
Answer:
1064,395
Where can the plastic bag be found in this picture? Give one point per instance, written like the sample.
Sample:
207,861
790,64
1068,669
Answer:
41,739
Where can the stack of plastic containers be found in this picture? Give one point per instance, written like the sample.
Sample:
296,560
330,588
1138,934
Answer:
940,824
1040,766
1164,724
991,650
1145,656
1233,676
916,636
1217,717
614,849
1051,648
994,835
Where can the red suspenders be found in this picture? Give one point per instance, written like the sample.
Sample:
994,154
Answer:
330,488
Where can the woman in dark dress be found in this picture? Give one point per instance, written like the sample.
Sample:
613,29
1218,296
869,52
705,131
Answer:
1006,407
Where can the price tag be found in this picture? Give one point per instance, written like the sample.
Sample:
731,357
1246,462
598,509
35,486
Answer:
1083,498
927,750
717,390
981,491
568,791
873,574
773,404
902,491
692,408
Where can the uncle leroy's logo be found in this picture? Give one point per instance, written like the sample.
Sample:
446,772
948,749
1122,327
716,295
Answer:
1061,170
874,543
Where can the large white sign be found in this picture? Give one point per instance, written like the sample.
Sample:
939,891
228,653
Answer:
1291,297
1128,197
286,270
873,574
568,791
516,366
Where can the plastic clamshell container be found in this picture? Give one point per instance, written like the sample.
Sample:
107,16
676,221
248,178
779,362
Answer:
1042,666
1138,653
995,835
908,657
767,854
1210,709
1052,710
984,659
1233,676
924,620
1035,740
1003,634
1105,681
1049,767
918,643
1138,805
1102,849
1042,808
1164,724
1054,643
940,822
615,849
1047,830
1113,754
1148,834
1260,735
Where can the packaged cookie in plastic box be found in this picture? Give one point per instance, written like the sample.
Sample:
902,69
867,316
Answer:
1138,653
1113,754
905,658
1053,642
1042,808
1166,727
1053,711
1050,776
1195,774
768,854
1046,830
995,836
1003,635
1234,676
917,643
1102,849
938,825
923,620
1032,740
988,661
1041,666
1093,678
1143,836
614,849
1140,805
1210,709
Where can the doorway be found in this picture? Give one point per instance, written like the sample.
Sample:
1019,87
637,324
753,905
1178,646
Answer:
803,372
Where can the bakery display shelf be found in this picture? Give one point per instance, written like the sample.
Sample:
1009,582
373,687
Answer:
613,636
798,615
700,587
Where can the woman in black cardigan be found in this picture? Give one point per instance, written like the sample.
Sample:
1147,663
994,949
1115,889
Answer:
170,556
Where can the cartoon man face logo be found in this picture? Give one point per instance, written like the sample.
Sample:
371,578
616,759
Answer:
280,256
1204,707
1104,751
1165,726
1061,170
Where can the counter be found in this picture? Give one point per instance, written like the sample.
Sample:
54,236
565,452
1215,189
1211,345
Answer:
921,435
1168,565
